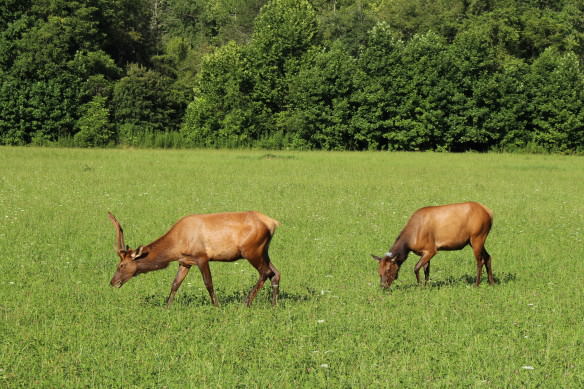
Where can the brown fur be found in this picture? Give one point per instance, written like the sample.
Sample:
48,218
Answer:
199,239
432,229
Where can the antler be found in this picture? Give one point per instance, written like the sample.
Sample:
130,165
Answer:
119,233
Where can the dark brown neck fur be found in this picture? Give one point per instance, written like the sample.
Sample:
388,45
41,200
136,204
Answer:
158,257
400,248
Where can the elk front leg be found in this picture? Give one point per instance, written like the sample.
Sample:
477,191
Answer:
206,273
425,260
426,273
183,270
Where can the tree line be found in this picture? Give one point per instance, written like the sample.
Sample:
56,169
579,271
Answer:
450,75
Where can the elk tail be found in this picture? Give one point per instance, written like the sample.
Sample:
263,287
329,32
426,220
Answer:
269,222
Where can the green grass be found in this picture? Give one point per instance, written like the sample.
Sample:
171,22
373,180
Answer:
62,325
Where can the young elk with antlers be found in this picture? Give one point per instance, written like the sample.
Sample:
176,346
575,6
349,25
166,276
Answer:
431,229
198,239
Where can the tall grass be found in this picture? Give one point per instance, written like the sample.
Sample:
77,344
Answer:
178,140
61,325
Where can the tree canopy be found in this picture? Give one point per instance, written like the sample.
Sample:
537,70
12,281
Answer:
305,74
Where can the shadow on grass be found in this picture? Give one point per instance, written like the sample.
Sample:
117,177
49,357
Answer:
467,279
267,156
277,156
236,297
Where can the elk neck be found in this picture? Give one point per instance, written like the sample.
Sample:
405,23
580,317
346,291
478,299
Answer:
400,248
158,257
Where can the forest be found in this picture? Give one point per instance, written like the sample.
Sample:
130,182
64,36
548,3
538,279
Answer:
442,75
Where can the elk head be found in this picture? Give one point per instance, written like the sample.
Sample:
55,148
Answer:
127,268
388,268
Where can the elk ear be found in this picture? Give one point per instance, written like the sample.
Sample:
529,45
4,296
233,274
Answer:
123,251
139,253
376,257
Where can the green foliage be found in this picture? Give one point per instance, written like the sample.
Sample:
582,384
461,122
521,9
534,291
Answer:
505,96
345,21
319,106
53,60
222,108
376,94
472,63
126,27
12,10
284,31
402,100
328,74
240,89
94,124
189,30
39,110
187,19
144,101
555,96
411,17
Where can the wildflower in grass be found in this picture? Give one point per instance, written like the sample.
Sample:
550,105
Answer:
320,321
527,367
324,365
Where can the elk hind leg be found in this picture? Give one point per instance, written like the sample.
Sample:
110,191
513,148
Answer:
275,279
487,260
266,270
264,274
482,258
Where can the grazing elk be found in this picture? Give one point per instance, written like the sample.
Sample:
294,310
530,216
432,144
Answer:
431,229
198,239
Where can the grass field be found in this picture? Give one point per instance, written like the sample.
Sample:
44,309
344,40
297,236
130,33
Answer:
62,325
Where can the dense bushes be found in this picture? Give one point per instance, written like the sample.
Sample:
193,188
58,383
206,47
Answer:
393,75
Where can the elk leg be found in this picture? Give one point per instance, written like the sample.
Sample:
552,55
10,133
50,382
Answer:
487,260
479,271
180,276
478,248
263,268
206,273
422,263
254,291
426,273
275,279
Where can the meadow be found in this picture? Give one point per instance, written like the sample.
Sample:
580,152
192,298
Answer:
62,325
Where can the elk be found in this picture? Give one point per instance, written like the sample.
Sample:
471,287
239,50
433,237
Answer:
432,229
199,239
